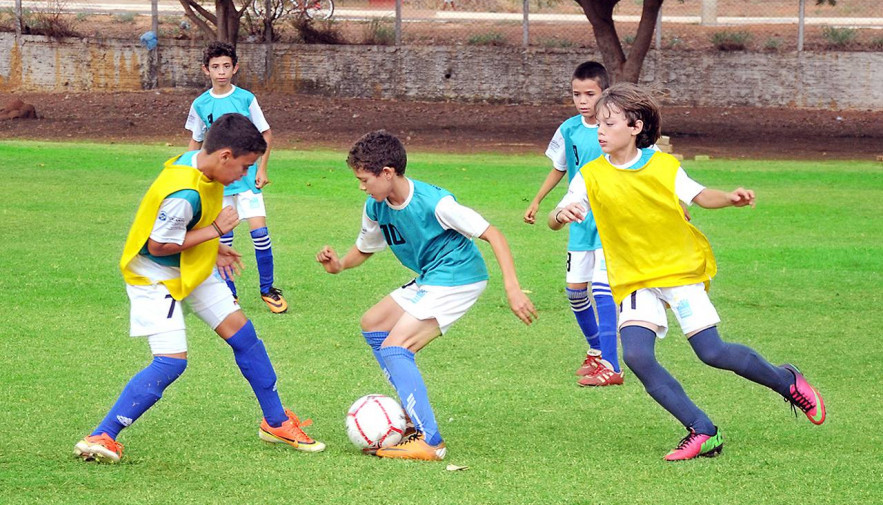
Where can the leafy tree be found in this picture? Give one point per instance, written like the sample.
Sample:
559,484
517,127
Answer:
622,67
222,24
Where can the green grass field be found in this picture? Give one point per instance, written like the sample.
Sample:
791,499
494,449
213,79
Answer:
799,280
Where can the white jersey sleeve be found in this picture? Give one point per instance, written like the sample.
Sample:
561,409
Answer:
370,238
576,193
557,151
257,116
686,188
453,216
196,125
170,226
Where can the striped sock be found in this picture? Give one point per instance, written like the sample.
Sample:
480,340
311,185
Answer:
263,253
585,315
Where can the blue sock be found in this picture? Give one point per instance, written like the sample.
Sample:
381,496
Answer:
142,391
375,340
606,323
227,240
263,253
740,359
254,363
585,316
411,390
639,354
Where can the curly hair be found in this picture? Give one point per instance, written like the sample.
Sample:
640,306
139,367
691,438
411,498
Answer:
218,49
635,103
376,150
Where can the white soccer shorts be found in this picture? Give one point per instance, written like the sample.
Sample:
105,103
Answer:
690,305
446,304
247,204
586,266
158,316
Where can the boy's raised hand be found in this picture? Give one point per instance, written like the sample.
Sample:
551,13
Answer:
329,260
521,305
227,219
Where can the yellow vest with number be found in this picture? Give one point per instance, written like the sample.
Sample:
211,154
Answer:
647,241
198,261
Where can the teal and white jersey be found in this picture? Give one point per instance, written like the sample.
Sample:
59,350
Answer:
430,233
576,143
209,106
178,213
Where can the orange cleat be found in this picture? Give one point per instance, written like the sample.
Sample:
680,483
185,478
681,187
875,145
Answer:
100,448
275,301
414,447
290,433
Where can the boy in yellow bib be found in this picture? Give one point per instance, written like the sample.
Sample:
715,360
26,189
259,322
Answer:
657,259
172,255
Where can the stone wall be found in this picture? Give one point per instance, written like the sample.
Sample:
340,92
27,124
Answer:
836,80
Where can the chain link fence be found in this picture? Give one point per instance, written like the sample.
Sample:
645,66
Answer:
762,25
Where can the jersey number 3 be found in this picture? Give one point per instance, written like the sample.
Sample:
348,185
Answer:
391,234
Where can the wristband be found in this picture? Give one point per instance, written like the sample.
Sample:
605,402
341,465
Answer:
217,229
556,217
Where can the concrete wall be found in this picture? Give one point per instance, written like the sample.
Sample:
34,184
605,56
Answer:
836,80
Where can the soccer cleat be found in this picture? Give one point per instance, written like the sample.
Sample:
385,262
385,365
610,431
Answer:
100,448
274,300
602,376
697,444
414,447
591,363
290,433
805,397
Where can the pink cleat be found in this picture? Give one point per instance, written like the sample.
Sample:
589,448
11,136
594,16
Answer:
805,397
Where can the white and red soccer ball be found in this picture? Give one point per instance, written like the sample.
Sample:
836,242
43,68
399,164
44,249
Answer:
375,421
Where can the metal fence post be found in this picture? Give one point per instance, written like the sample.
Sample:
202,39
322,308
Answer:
18,22
709,12
801,18
658,34
525,23
398,25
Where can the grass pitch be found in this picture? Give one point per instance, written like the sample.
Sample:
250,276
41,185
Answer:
799,281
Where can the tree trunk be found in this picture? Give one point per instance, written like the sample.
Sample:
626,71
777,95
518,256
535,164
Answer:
600,15
228,21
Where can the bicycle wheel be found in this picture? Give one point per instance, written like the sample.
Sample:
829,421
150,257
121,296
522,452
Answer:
319,9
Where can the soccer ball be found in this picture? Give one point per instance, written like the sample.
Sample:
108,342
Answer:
375,421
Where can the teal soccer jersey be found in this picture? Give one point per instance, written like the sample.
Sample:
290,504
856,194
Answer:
208,106
574,145
441,257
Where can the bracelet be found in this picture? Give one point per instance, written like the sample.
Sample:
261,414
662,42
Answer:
556,218
217,229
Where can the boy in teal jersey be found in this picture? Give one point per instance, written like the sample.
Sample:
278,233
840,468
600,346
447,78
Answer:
576,143
173,255
220,64
430,233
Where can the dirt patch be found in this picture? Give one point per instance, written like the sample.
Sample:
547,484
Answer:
306,121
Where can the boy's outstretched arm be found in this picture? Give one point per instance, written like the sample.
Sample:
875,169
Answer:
551,181
518,301
560,216
717,199
333,265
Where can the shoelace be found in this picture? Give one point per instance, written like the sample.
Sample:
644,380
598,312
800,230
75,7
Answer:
112,444
414,437
798,400
686,440
274,293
